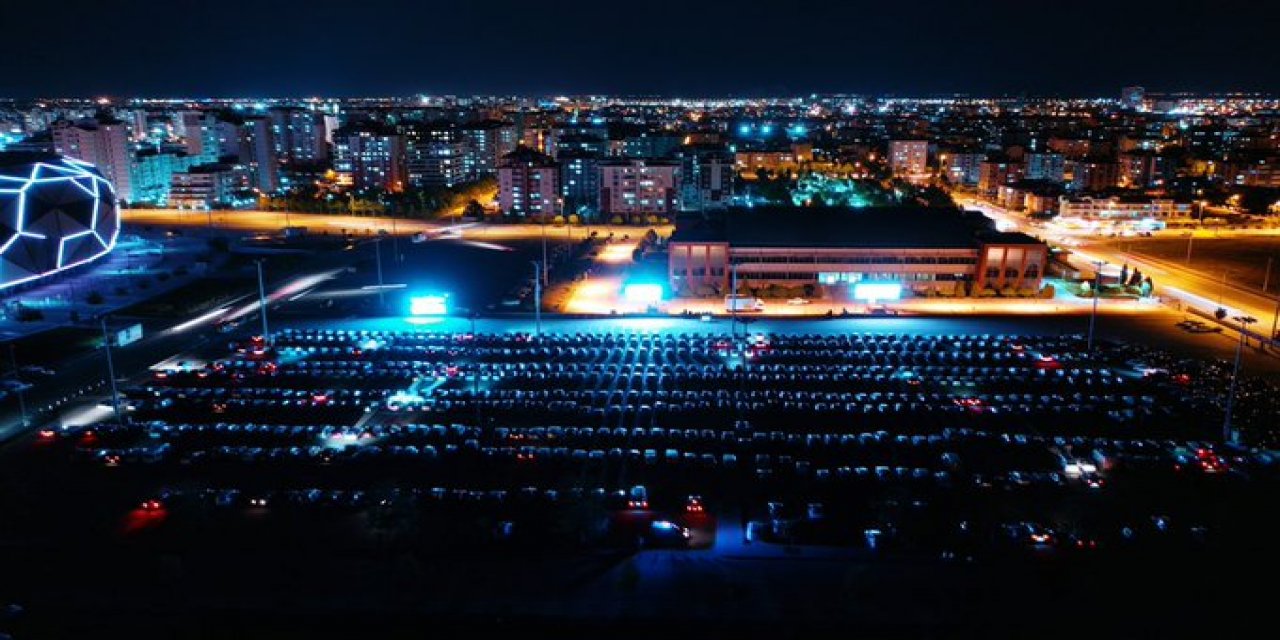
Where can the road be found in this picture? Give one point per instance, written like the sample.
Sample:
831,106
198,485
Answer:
1193,289
274,221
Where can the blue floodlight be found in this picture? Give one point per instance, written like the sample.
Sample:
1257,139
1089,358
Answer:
643,293
432,305
766,129
744,129
872,291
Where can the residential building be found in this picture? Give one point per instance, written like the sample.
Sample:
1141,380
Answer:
1044,166
961,168
102,142
1090,175
299,135
528,184
434,163
370,157
210,186
995,173
580,182
151,174
636,188
908,159
489,141
199,131
706,177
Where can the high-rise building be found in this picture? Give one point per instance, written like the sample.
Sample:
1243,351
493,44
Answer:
1044,166
257,152
706,177
580,182
199,130
438,154
995,173
489,141
436,163
633,187
300,135
102,142
908,158
151,174
528,184
368,157
961,168
1091,175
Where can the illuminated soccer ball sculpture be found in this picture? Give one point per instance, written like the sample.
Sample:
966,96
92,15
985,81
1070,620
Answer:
55,213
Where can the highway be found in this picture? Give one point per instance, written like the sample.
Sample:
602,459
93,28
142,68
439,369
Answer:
1192,288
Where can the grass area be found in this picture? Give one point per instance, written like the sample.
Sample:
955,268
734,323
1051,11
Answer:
1244,259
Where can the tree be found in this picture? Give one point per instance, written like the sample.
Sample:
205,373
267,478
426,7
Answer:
473,209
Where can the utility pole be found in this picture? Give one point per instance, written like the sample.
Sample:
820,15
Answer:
1097,293
262,302
544,250
537,298
733,299
22,402
111,371
1266,276
1227,435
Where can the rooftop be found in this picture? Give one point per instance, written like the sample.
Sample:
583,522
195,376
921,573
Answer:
878,227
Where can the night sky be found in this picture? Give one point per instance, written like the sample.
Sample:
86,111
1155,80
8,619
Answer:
200,48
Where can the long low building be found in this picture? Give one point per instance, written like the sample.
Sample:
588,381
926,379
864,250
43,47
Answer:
921,250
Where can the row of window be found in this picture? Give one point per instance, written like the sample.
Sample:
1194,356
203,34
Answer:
854,260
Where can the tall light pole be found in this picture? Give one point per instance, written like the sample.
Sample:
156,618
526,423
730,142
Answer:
111,371
537,298
1227,434
1097,293
543,217
377,247
262,302
733,298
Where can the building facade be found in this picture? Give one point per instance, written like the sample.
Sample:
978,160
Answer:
528,184
370,159
639,188
908,159
1122,208
831,252
103,143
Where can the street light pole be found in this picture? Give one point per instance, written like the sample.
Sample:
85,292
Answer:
1227,434
262,302
1097,293
544,249
733,299
537,297
111,371
377,247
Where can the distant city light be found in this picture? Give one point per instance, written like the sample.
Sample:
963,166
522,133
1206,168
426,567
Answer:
432,305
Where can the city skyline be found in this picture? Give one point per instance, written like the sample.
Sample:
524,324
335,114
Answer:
715,48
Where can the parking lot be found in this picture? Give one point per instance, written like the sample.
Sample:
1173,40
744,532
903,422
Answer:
949,449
